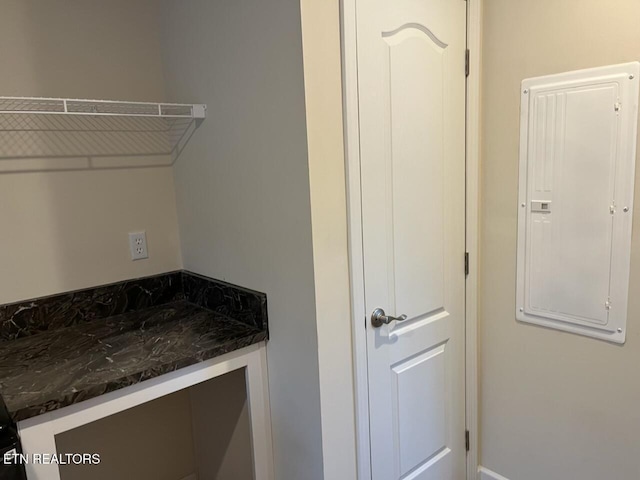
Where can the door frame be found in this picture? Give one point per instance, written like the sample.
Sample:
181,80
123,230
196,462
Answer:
354,218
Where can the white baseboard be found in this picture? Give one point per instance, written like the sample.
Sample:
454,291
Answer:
486,474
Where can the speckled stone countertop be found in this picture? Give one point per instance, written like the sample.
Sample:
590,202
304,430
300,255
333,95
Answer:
64,349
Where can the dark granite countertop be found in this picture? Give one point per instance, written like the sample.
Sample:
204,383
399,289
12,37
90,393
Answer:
49,368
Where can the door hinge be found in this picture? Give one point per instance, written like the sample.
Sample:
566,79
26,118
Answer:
466,440
466,263
466,62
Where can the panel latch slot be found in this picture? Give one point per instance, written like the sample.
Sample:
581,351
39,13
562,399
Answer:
541,206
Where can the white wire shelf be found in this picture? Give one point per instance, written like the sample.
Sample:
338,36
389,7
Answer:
58,128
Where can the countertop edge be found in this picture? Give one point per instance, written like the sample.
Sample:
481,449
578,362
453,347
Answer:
137,378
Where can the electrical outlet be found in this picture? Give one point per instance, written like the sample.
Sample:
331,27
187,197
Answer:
138,245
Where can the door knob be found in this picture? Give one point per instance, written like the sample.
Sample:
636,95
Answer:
378,318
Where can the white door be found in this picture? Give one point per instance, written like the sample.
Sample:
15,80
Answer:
411,86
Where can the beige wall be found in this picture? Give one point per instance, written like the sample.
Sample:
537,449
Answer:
323,94
243,189
554,406
67,230
223,452
150,442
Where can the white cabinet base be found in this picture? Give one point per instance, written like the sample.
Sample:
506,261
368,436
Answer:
37,434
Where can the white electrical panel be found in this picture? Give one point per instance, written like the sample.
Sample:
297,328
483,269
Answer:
577,166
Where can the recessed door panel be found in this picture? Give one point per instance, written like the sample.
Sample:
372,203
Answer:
419,390
417,173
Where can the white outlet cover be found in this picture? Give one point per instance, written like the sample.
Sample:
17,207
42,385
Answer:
138,245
